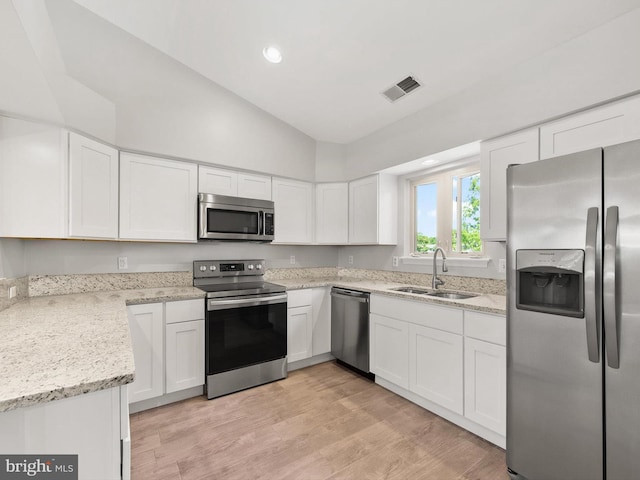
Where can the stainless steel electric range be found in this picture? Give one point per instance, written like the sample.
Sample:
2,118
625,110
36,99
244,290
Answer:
245,325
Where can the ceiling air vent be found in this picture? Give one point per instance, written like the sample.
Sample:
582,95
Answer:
401,88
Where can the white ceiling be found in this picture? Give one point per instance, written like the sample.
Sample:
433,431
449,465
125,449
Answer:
340,54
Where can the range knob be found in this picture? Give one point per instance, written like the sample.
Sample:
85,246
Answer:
250,266
213,268
259,266
203,268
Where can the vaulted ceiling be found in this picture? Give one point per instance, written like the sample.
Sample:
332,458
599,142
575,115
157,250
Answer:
339,55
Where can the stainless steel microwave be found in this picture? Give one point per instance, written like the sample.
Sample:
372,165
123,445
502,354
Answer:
234,218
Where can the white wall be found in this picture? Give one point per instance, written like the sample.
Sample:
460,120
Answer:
330,162
49,257
165,108
593,68
12,258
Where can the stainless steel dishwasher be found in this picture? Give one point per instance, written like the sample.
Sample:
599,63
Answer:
350,327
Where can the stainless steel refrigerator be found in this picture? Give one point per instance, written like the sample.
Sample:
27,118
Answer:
573,316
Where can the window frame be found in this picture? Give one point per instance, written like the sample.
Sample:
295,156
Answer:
444,199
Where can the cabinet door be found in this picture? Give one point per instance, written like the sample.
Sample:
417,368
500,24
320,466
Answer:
254,186
321,337
93,188
33,180
184,355
603,126
332,213
88,425
435,366
293,211
158,199
363,210
389,355
485,384
299,333
495,156
217,181
146,324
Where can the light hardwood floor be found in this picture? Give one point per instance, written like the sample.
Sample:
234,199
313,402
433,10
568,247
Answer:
322,422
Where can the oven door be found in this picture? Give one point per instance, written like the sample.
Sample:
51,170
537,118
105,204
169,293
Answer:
245,331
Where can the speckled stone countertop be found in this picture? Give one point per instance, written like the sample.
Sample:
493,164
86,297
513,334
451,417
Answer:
483,302
54,347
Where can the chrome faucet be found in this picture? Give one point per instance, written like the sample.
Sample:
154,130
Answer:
435,281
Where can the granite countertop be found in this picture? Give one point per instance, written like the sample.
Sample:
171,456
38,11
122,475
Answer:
59,346
483,302
54,347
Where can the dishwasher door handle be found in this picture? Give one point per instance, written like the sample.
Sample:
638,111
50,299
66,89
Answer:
351,297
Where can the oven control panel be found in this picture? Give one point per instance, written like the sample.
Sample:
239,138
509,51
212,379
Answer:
227,268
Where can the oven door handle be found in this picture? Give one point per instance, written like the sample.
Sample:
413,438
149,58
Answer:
215,304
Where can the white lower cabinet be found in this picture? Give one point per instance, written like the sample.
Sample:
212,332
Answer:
146,325
449,360
299,333
94,426
185,355
485,380
168,347
435,366
321,335
389,355
308,324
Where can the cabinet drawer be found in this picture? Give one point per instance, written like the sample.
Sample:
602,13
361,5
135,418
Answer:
184,311
299,298
483,326
420,313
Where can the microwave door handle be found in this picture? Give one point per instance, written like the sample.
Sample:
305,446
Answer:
260,222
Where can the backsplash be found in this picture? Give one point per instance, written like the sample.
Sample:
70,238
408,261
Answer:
40,285
22,292
469,284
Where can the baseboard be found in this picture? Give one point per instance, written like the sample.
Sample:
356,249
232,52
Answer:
307,362
166,399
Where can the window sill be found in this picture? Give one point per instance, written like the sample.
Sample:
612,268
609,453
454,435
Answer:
472,262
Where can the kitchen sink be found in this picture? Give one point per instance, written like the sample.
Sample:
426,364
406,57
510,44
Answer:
435,293
451,295
420,291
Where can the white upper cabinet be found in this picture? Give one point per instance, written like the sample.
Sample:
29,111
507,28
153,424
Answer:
293,216
616,122
33,180
495,156
254,186
373,210
332,213
236,184
217,181
93,188
158,199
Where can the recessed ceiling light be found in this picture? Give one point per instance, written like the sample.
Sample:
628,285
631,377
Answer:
272,54
429,161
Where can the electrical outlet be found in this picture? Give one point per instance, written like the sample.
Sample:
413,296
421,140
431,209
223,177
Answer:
292,259
350,259
122,263
502,265
394,261
12,292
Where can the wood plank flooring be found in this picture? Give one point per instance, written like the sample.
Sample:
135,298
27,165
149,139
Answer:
322,422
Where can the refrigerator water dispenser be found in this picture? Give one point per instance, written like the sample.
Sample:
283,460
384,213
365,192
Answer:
550,281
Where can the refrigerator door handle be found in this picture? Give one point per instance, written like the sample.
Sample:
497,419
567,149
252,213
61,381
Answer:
609,287
591,311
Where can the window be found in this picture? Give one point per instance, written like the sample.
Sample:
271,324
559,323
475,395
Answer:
446,212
